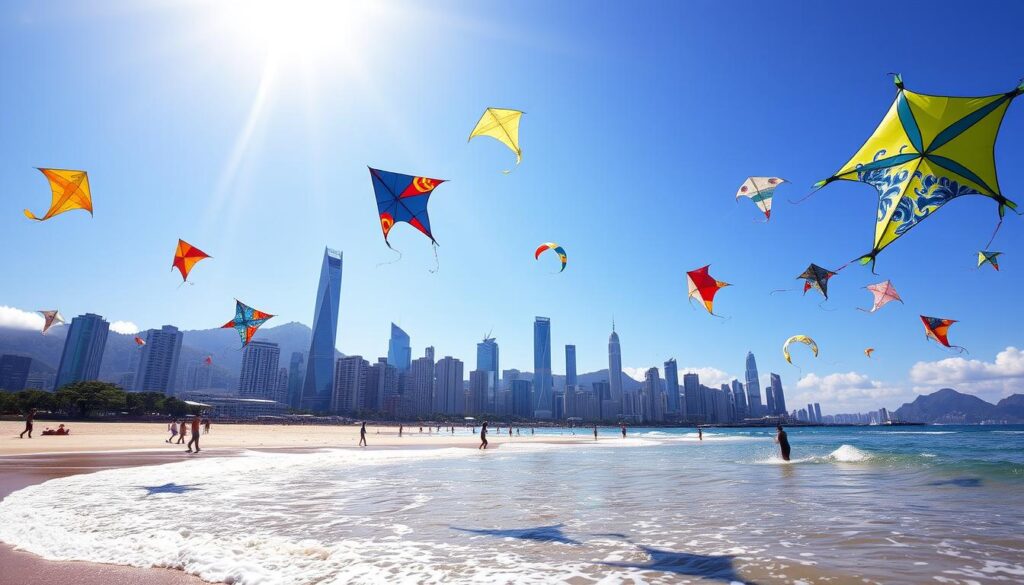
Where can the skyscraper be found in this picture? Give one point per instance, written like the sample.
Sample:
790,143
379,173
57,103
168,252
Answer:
387,377
522,406
570,366
542,379
14,372
349,384
260,361
753,386
780,396
318,385
672,386
810,412
740,401
693,395
158,362
83,350
420,385
479,382
399,349
653,402
487,361
449,395
817,412
296,376
614,373
429,353
769,400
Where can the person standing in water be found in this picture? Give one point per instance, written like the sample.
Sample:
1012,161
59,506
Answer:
510,431
595,432
623,430
700,434
483,436
362,435
29,417
196,430
783,441
400,429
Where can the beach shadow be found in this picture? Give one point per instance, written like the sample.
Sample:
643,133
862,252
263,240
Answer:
551,533
714,567
960,482
167,488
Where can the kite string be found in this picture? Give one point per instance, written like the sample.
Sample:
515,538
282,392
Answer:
379,264
437,262
994,232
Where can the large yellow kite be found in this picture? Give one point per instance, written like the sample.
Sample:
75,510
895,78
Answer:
928,150
501,125
70,191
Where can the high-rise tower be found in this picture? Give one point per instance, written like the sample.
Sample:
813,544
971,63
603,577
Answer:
672,385
615,371
318,385
570,366
754,406
83,350
399,349
780,396
487,361
543,406
158,363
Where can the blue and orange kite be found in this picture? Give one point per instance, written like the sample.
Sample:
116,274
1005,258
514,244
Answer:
403,198
247,320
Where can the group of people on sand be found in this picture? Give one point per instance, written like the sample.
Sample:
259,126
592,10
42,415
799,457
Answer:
179,428
30,418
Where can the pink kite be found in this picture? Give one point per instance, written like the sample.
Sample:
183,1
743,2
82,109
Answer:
883,292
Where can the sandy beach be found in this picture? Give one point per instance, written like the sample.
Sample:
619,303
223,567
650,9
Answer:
95,446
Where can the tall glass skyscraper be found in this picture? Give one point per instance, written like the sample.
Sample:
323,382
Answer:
260,369
487,361
753,388
542,381
83,350
158,363
672,385
296,376
780,396
399,349
615,371
570,366
740,400
318,385
694,396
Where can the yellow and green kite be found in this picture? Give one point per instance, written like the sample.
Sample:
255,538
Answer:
928,150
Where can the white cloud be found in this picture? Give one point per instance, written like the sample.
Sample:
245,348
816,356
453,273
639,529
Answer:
845,392
124,327
1001,377
18,319
636,373
711,377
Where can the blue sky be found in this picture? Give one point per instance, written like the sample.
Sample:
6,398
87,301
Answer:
202,121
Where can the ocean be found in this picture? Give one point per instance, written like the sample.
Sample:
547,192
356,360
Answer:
934,504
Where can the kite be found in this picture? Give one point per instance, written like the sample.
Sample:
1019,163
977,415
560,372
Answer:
139,341
938,330
869,351
208,360
801,339
403,198
884,292
926,151
70,191
816,277
51,318
760,191
986,257
247,320
552,246
185,257
501,125
703,286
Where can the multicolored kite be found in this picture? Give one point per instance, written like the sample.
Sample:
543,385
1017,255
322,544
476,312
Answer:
501,125
760,191
403,198
51,318
986,257
816,277
883,292
247,320
185,257
798,339
139,341
703,286
70,190
552,246
938,329
869,351
927,151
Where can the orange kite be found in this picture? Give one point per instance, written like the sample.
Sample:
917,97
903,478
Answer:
703,286
185,257
70,191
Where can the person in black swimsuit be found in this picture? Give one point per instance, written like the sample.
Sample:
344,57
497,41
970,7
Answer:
29,417
483,436
783,441
362,435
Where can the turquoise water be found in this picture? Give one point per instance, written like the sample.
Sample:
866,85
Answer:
855,505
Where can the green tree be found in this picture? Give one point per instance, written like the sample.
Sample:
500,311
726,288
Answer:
89,398
38,399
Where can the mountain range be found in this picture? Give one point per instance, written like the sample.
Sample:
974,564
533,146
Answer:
949,406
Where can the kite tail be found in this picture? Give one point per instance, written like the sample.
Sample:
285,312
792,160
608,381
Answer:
437,263
32,216
994,232
817,187
778,290
866,310
960,349
865,259
379,264
821,306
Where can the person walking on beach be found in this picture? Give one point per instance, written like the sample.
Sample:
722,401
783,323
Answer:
173,428
783,441
400,429
623,430
483,436
595,432
206,426
29,417
510,431
362,435
700,434
195,434
181,432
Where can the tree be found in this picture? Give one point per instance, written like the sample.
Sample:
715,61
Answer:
38,399
87,398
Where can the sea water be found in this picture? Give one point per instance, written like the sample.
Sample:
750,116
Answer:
937,504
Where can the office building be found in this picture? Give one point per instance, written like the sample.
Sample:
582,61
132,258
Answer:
570,366
420,384
350,374
14,372
653,397
158,360
753,386
479,384
83,350
739,399
399,349
693,398
260,365
817,412
487,361
614,373
672,387
542,378
296,378
522,403
780,396
318,377
449,393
